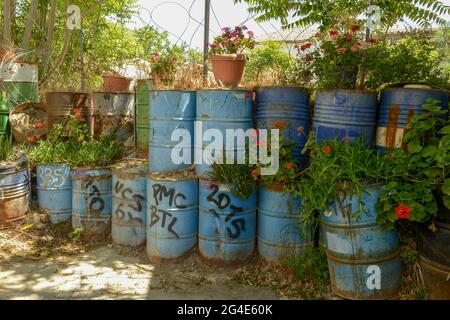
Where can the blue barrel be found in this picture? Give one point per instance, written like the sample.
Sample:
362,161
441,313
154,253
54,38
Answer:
363,259
170,110
280,232
14,191
221,110
286,107
345,113
92,202
129,207
397,106
172,218
54,191
227,225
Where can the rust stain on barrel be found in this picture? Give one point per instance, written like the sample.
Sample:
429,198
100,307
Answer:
391,130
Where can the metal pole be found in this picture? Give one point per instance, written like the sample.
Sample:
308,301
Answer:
206,42
82,59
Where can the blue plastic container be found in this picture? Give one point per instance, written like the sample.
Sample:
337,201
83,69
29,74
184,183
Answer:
363,259
280,232
397,106
222,110
54,191
345,113
172,218
92,202
227,225
288,107
170,110
129,206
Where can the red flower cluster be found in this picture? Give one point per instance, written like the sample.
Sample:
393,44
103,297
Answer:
355,27
327,149
289,165
403,212
39,125
348,37
77,114
305,46
333,33
32,139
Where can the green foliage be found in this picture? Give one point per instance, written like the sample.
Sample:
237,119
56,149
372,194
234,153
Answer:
419,171
269,64
414,59
6,147
76,234
327,13
239,176
334,163
232,41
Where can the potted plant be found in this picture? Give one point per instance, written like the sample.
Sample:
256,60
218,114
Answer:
335,59
418,191
227,214
14,183
227,54
343,184
280,235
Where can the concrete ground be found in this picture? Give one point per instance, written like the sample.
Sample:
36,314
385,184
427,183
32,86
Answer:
104,273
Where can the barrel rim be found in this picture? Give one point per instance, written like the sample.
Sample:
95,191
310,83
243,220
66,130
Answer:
371,92
389,89
282,87
153,176
224,90
172,90
73,171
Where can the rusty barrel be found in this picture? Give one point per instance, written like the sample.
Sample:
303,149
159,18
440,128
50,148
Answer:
60,104
142,110
345,113
280,232
54,191
92,202
172,217
227,224
20,81
129,206
15,189
113,113
397,106
363,259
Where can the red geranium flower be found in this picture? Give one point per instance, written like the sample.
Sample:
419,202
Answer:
39,125
78,117
76,110
31,139
333,33
403,212
327,150
254,173
305,46
348,37
372,40
289,165
355,27
341,50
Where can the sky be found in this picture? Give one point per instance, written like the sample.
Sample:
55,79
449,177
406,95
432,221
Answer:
173,16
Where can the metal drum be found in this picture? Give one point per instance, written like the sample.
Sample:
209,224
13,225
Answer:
20,80
227,225
114,112
345,113
280,233
287,108
142,109
91,202
14,191
221,110
397,106
54,191
129,206
59,106
363,259
172,218
170,110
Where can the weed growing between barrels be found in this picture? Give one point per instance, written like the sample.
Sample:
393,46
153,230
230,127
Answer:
304,277
239,176
6,148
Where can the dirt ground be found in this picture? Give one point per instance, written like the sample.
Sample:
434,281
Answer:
40,261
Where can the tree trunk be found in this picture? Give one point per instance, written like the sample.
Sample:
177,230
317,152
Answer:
7,41
32,18
47,54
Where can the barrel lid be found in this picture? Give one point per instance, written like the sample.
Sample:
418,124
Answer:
79,173
177,175
348,91
131,167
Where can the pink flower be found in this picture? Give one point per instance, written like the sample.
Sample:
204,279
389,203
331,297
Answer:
356,47
341,50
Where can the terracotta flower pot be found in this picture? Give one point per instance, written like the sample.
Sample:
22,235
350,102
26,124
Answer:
228,69
116,83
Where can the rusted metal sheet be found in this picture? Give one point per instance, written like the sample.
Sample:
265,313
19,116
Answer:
20,80
172,218
280,233
114,112
129,206
59,106
397,106
363,259
14,193
227,225
92,202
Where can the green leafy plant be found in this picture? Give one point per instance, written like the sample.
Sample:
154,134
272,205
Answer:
6,147
418,173
232,41
336,163
239,176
